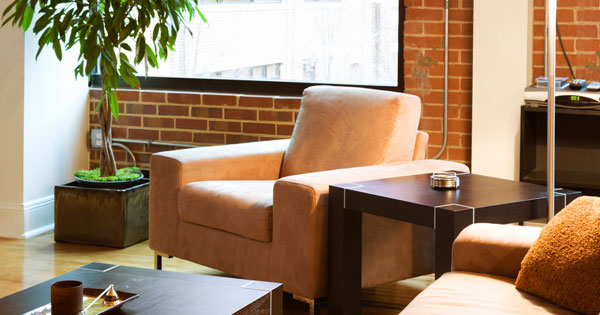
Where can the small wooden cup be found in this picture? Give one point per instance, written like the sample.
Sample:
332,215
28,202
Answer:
66,297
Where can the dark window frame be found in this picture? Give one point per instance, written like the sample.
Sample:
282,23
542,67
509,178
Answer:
261,87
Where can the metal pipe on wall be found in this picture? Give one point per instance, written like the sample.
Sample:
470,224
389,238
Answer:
124,147
152,142
445,121
551,71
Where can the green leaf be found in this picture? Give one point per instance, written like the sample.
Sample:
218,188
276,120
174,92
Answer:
19,12
8,8
190,10
114,103
72,39
57,48
161,51
39,51
151,57
66,20
56,23
126,46
102,100
41,23
8,19
155,32
99,104
141,48
129,76
27,18
125,60
91,64
201,15
120,17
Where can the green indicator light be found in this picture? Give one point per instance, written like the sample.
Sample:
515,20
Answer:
574,98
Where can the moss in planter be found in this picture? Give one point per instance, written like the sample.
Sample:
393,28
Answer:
127,173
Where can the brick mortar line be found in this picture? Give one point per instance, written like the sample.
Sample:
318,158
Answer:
436,36
202,118
166,92
237,133
285,123
125,103
181,129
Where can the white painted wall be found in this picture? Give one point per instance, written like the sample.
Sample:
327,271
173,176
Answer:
500,72
55,120
48,130
11,128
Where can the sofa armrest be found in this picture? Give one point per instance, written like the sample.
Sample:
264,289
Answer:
171,170
300,225
492,248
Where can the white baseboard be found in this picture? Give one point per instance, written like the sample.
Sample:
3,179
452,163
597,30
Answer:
28,219
38,231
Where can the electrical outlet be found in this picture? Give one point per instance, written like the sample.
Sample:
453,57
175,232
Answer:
96,138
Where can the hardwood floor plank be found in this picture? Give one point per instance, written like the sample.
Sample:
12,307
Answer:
28,262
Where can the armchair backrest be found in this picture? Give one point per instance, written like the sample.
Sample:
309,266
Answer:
341,127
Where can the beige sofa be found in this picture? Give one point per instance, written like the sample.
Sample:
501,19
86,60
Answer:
485,262
259,210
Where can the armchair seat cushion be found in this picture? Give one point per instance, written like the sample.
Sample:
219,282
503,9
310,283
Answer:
242,207
477,293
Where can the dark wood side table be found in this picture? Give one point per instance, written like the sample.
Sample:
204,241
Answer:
411,199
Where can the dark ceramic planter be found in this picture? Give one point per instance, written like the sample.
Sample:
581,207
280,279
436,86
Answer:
113,217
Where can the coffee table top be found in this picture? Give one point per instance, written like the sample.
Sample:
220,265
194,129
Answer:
414,194
161,292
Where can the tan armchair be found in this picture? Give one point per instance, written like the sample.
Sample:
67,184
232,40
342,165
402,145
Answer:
486,259
259,210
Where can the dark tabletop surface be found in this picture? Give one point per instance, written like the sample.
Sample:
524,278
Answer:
475,190
161,292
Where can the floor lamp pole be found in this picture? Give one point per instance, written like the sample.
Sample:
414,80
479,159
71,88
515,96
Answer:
551,71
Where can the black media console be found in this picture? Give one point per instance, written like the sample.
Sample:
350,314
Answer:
577,148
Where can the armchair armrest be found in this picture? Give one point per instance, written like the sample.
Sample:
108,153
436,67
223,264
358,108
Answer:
492,248
254,160
300,212
172,169
421,145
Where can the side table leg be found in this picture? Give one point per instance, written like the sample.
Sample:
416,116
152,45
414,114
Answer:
450,220
345,249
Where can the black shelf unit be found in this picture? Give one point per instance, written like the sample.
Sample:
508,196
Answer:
577,146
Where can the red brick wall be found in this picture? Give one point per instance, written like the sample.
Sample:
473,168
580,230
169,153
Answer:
578,21
424,71
194,118
201,118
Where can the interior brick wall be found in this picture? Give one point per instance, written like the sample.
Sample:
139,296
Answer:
211,119
193,118
424,72
578,22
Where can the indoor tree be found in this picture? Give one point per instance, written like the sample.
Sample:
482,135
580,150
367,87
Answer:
112,36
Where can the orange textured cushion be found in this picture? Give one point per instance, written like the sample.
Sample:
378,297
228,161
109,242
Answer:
563,265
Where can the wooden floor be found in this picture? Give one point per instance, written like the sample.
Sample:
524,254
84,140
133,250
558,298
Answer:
28,262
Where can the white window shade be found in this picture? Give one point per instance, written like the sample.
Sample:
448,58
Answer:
342,42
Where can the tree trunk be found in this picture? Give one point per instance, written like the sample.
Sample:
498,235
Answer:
108,165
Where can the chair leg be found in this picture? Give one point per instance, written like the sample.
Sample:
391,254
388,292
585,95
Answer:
313,304
158,259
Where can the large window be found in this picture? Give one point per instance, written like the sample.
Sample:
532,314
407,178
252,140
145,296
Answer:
274,44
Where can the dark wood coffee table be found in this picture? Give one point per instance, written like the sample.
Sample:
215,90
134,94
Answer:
411,199
161,292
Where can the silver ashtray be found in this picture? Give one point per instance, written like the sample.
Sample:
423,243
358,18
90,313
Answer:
444,180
